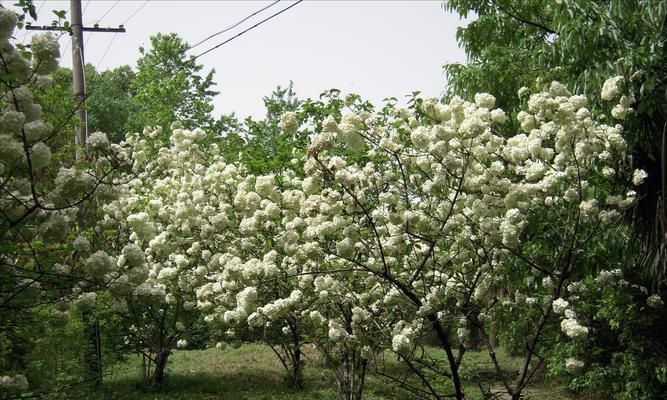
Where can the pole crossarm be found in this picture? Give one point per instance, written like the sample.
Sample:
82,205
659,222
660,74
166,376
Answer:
95,28
76,29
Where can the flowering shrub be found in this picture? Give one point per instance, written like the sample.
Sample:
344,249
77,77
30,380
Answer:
390,227
45,238
406,222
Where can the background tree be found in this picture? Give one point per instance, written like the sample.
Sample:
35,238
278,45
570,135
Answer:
268,147
109,100
168,86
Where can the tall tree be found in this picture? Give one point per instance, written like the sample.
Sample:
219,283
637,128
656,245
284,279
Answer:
109,100
169,86
269,146
580,43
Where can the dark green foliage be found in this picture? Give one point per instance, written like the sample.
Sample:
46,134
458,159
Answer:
168,87
512,43
267,148
109,101
625,358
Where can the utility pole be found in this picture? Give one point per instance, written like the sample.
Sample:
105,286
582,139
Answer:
78,79
76,30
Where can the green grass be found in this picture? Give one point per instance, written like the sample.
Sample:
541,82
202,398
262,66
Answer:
252,372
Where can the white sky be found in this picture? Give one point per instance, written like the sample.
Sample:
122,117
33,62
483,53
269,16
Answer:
375,48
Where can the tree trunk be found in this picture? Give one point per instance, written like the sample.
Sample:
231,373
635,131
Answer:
161,359
93,356
295,378
493,335
350,385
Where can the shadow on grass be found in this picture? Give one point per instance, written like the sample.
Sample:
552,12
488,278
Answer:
245,383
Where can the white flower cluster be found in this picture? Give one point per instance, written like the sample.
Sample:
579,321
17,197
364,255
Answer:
45,53
612,87
654,301
289,123
98,141
573,366
403,341
86,301
571,327
15,382
560,305
408,233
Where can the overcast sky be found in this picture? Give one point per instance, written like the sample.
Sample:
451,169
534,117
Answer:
375,48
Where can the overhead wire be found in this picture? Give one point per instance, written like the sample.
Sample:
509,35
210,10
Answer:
233,25
108,11
245,31
134,13
106,51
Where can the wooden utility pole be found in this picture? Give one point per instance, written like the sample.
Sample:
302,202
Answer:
76,30
78,79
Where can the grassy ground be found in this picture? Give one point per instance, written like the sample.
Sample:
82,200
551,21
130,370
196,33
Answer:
252,372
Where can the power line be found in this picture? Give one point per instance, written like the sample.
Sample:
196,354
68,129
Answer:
247,30
135,12
106,51
69,41
233,26
108,11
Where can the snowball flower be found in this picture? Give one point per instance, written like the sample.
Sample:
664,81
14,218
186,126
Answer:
18,381
10,150
289,123
619,112
181,344
589,208
98,141
265,185
558,89
336,331
572,365
40,156
58,319
498,116
81,244
11,122
654,301
98,264
612,87
141,225
71,183
55,229
134,256
36,130
559,305
246,299
86,301
576,288
8,20
638,177
485,100
45,53
573,329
